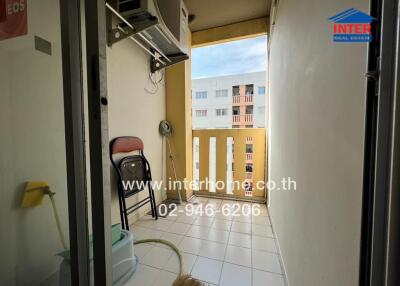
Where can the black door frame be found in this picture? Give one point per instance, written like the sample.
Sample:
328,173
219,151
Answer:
70,14
96,43
381,201
72,59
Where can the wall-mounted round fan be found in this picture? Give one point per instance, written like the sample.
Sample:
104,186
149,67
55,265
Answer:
165,128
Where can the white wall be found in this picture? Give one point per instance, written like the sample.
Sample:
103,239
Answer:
32,147
317,105
133,111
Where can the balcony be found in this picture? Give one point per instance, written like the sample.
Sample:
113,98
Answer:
242,99
236,99
248,118
248,99
242,119
249,157
213,151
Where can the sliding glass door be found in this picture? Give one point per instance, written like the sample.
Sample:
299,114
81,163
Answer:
43,207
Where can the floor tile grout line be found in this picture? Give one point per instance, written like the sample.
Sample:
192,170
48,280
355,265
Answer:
251,250
285,280
220,273
209,227
224,262
226,243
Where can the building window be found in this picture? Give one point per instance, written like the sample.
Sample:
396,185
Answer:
222,112
249,109
201,94
235,126
248,186
261,110
261,90
236,110
249,89
249,148
249,168
201,113
221,93
235,90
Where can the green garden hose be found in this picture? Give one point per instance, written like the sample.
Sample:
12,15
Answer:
168,243
184,280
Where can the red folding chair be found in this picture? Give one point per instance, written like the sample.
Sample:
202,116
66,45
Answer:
134,175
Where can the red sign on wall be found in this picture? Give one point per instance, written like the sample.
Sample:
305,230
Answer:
13,19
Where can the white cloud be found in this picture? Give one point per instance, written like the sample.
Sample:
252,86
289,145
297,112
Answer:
236,57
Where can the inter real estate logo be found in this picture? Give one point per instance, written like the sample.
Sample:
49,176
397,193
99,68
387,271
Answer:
352,25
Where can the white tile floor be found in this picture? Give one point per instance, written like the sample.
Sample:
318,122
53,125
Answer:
219,250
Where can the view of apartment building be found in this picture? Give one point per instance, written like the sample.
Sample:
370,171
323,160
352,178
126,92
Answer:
234,101
228,102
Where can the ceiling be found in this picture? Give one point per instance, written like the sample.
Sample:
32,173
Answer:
215,13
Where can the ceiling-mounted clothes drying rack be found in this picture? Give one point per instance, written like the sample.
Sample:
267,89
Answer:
136,30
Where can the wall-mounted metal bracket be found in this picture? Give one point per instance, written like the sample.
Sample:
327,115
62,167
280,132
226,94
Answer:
155,65
117,34
133,28
126,27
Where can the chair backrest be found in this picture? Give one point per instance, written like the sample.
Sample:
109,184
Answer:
126,144
126,154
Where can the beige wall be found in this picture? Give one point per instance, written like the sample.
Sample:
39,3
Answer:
32,147
232,32
317,105
178,113
133,111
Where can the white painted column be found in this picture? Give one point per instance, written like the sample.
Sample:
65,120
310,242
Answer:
229,161
212,176
196,163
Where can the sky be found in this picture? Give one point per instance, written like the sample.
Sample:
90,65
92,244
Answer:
243,56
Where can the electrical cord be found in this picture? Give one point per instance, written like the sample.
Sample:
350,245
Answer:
154,81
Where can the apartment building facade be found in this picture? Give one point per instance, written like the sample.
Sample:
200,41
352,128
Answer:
233,101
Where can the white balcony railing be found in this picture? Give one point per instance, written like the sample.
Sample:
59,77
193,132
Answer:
246,99
235,118
249,156
248,118
245,119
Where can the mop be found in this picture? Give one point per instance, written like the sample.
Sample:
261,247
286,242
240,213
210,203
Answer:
33,196
165,130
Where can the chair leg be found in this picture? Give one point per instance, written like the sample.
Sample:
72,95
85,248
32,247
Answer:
151,191
153,202
121,213
125,213
155,207
126,221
